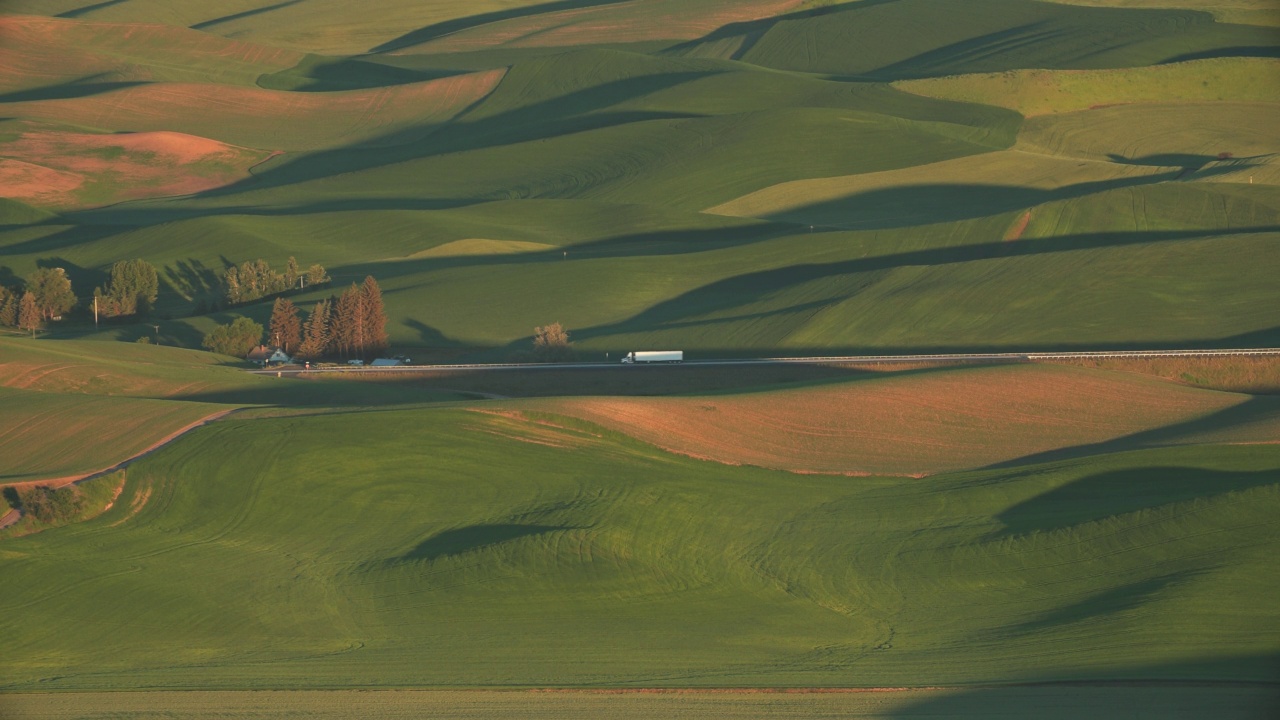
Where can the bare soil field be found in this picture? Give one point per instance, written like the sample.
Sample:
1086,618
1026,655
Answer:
54,168
921,423
268,119
37,52
1255,375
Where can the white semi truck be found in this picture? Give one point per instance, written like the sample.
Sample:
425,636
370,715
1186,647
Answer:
654,356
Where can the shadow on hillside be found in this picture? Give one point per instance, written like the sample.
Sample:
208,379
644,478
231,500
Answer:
1100,605
474,537
241,15
326,74
1169,692
689,309
913,205
1258,51
78,12
1255,409
67,91
751,31
576,112
1124,491
448,27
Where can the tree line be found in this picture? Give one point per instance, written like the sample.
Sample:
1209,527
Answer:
254,280
351,325
132,288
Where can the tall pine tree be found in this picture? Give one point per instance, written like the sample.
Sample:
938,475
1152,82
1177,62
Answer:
286,328
375,317
348,323
315,340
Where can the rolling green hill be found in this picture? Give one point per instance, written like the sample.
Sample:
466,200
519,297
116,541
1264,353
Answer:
446,547
729,178
596,158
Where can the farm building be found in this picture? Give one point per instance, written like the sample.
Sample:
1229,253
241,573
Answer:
263,355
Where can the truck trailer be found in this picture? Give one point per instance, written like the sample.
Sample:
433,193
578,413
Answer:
654,356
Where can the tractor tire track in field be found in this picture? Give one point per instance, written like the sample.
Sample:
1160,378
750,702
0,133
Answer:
14,515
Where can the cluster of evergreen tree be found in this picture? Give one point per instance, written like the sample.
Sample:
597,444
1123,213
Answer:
132,289
45,294
254,280
352,325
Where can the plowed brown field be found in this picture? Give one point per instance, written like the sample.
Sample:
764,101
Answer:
267,119
56,168
929,422
41,51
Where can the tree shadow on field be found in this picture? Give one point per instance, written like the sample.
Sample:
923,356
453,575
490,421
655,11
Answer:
473,537
1124,491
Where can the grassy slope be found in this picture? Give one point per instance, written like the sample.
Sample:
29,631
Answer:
1043,92
930,421
76,407
46,436
924,38
629,138
56,57
411,547
326,26
1050,703
1254,12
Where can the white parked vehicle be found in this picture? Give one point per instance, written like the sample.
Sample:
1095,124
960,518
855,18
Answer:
357,363
654,356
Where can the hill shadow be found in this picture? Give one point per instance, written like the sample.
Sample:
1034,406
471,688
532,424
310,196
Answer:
78,12
1169,692
575,112
473,537
723,295
448,27
1104,495
316,73
912,205
67,91
240,15
1109,602
1255,409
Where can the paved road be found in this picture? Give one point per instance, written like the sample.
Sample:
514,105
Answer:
837,359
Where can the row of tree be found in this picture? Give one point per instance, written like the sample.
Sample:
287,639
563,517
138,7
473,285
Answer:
254,280
351,325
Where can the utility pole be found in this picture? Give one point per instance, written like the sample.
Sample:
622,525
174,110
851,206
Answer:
95,312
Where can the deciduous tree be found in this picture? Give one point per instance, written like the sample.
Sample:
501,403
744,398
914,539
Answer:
236,338
29,315
52,290
551,342
133,289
